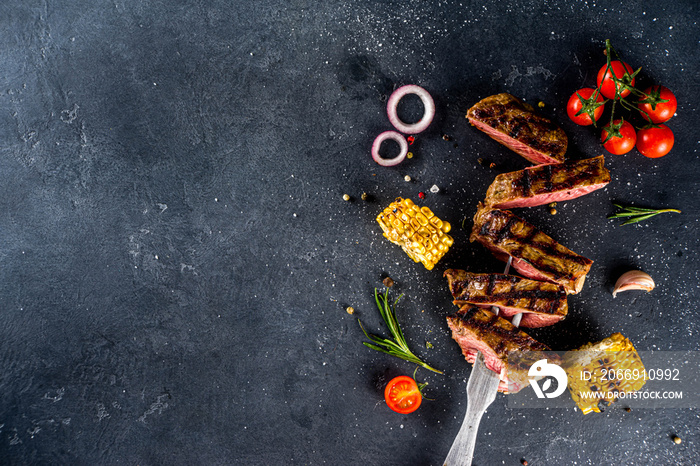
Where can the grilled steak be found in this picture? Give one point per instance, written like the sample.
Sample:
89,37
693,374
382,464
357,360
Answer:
541,303
547,183
515,124
476,329
535,255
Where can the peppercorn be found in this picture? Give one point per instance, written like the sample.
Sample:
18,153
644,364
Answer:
388,282
553,211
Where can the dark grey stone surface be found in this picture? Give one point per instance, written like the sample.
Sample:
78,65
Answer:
176,257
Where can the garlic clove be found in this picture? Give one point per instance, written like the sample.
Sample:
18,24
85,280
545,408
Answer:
633,280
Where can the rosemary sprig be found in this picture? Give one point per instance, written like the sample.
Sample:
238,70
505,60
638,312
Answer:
398,346
638,214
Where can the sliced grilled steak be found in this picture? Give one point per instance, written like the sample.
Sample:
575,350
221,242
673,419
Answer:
515,124
547,183
476,329
535,255
541,303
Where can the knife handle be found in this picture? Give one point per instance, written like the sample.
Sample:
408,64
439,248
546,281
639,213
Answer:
462,450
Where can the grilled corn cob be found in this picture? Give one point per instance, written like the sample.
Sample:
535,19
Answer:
417,230
603,370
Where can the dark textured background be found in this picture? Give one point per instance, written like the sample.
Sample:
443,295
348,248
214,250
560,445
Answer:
176,257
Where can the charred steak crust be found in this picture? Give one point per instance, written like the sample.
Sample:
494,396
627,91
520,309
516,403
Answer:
505,234
507,350
547,183
508,291
499,334
517,120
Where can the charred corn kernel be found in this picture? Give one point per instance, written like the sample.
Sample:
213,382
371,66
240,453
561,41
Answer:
417,230
599,372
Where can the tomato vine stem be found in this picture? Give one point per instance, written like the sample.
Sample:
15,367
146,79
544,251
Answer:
624,83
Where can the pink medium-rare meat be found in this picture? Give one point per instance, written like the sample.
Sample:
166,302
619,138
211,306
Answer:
535,255
543,184
476,329
541,303
515,124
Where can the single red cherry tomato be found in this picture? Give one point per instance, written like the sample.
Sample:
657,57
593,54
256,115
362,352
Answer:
402,394
581,100
605,79
655,142
624,143
658,112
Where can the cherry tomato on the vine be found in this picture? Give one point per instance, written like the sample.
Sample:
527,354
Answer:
402,394
655,142
605,79
658,112
581,105
622,144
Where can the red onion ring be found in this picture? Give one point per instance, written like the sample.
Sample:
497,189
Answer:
403,145
428,112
